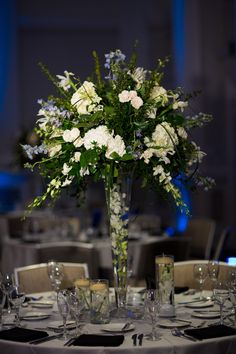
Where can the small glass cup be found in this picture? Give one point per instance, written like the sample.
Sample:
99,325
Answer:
99,301
200,272
152,308
221,294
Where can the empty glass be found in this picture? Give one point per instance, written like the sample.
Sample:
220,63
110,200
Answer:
2,303
152,308
17,297
221,294
56,274
200,272
7,281
63,308
76,305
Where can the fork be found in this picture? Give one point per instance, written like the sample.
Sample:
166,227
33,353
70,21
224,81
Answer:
177,333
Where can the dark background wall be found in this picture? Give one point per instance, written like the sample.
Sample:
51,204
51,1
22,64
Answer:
198,35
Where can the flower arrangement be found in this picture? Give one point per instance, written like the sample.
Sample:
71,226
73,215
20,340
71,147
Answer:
125,119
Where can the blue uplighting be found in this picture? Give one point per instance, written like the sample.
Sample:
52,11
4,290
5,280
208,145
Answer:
178,23
181,216
231,261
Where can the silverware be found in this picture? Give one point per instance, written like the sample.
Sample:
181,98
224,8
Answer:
46,339
140,339
180,320
126,326
134,338
176,332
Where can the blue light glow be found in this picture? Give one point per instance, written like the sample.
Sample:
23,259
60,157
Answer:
231,261
178,23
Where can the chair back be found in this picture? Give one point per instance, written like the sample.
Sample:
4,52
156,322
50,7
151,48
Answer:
34,278
183,274
201,231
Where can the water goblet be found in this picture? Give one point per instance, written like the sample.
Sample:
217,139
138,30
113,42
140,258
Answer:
213,271
17,297
221,294
2,303
152,308
76,305
56,274
7,282
200,272
63,308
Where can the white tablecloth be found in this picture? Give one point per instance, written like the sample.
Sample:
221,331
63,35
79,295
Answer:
168,344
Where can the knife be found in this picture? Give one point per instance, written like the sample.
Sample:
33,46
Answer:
45,339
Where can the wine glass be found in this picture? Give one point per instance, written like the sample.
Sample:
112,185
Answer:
213,271
152,307
56,274
6,285
76,305
221,294
17,297
200,272
2,303
63,308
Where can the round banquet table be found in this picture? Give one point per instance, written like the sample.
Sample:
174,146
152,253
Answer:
168,344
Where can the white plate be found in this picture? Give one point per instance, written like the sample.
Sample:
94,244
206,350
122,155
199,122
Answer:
206,314
41,304
117,327
200,304
172,324
59,324
32,316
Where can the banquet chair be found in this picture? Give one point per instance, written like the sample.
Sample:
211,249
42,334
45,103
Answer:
67,252
221,244
176,246
34,278
183,273
202,232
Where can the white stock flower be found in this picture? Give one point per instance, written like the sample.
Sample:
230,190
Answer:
84,171
67,182
180,104
85,97
65,80
96,136
182,133
77,155
115,144
71,135
66,169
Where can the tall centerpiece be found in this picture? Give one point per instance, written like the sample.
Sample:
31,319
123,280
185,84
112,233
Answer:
112,129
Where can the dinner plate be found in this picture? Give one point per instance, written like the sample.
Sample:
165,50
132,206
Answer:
41,304
117,327
172,324
59,324
206,314
200,304
33,316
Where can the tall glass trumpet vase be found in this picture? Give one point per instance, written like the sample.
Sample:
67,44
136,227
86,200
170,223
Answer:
118,185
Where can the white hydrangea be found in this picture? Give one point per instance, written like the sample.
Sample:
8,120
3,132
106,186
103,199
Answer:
115,144
96,136
70,136
85,99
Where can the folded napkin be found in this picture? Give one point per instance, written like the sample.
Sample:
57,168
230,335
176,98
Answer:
18,334
95,340
211,332
181,289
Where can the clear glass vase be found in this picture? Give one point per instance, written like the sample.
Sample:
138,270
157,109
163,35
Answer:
118,184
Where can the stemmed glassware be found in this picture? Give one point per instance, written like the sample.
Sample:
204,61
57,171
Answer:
213,272
56,274
221,294
7,281
76,305
63,308
152,307
17,297
200,272
2,303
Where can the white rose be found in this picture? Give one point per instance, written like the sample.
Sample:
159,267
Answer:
124,96
132,94
137,102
